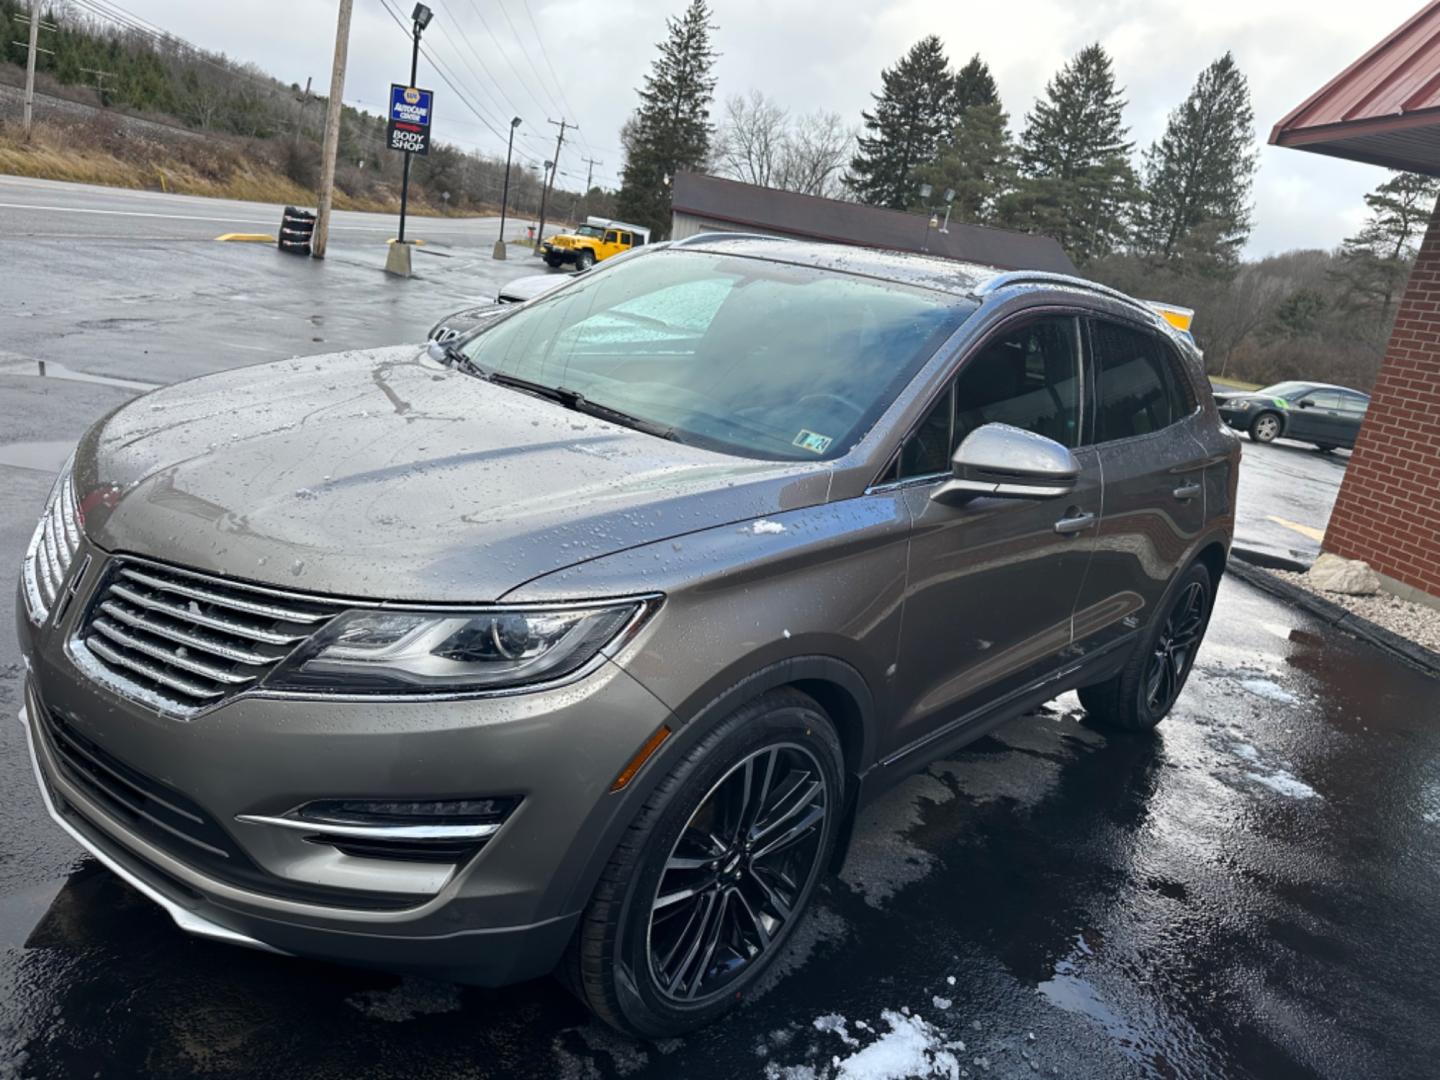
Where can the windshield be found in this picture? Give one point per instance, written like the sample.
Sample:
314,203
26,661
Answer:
1285,389
590,230
752,357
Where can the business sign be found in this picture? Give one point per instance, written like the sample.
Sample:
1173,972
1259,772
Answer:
408,129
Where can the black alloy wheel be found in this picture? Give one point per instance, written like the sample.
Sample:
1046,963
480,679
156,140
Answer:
736,873
1175,647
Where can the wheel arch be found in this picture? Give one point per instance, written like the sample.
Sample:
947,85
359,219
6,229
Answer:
836,686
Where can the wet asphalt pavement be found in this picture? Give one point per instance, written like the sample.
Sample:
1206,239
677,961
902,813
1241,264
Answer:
1252,891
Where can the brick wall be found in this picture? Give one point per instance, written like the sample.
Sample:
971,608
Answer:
1388,510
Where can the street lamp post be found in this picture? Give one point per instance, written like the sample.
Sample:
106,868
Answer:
420,18
500,252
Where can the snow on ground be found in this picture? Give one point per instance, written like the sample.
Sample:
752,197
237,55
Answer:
1267,689
910,1049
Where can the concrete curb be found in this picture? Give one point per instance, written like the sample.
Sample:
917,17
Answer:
1329,612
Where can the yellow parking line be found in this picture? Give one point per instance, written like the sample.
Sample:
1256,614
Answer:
1304,530
248,237
417,243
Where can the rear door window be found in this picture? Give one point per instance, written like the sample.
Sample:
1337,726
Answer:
1139,388
1354,404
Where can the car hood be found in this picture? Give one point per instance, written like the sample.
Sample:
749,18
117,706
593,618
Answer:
384,474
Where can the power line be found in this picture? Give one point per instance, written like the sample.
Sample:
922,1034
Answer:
545,55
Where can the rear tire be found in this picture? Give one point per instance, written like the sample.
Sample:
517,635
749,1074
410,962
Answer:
654,963
1146,689
1265,428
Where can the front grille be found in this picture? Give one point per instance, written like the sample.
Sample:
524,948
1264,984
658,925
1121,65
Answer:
178,825
183,641
52,549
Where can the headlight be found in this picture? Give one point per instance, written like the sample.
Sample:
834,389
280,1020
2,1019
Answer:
416,652
56,539
1242,404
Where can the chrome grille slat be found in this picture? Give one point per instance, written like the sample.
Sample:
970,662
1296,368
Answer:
210,622
151,672
171,657
182,641
54,569
68,525
209,596
180,637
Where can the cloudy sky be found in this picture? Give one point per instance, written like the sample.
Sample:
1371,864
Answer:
813,54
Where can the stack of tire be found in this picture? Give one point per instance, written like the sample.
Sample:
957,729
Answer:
296,228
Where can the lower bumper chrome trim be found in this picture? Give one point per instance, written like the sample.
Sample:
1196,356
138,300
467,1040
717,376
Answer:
360,831
183,917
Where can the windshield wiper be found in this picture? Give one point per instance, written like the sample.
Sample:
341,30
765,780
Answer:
574,399
456,358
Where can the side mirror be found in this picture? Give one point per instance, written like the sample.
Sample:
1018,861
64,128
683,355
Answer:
1008,463
1307,403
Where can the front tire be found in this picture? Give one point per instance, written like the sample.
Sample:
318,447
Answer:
1146,689
584,260
711,878
1265,428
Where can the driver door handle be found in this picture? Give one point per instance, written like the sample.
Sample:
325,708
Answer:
1187,491
1069,526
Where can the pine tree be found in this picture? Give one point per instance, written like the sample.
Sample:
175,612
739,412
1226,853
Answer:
671,129
915,108
1198,175
977,162
1077,181
974,85
1375,262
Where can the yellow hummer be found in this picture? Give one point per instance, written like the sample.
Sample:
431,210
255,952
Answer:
597,239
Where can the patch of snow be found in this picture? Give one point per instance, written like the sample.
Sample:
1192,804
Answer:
1267,689
1285,783
950,979
912,1048
766,528
941,1003
1246,751
835,1024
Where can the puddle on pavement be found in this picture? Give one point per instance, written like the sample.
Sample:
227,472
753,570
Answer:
40,456
48,369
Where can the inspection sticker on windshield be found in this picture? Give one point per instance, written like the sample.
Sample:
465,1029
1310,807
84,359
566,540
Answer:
809,440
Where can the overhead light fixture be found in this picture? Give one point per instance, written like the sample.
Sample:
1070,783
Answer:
422,16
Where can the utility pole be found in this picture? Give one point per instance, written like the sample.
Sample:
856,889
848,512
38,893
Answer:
30,65
562,124
500,251
589,176
590,172
300,112
332,132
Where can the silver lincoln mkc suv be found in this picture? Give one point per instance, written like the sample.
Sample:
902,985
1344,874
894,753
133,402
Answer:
574,644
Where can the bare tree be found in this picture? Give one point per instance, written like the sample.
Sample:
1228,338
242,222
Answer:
816,148
753,139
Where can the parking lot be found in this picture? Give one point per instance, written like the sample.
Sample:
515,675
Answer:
1250,892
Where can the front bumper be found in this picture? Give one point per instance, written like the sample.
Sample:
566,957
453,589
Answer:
564,255
502,914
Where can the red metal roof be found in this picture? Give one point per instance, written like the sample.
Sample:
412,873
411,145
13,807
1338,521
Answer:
1384,108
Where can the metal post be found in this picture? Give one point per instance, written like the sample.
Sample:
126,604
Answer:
405,174
332,132
544,191
500,251
30,65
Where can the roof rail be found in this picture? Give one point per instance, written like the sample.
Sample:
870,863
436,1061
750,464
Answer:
1069,281
717,235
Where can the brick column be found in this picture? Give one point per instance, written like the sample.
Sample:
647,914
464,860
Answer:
1388,509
